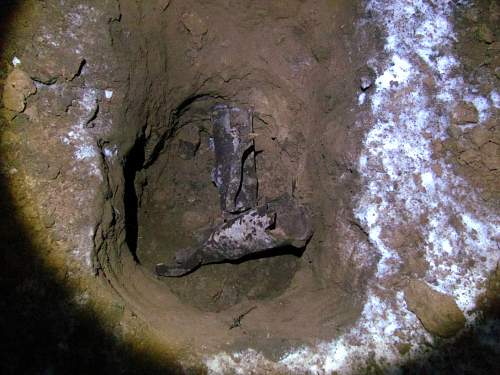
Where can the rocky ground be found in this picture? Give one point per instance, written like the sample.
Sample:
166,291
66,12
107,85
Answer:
381,117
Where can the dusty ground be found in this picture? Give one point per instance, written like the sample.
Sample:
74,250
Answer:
380,117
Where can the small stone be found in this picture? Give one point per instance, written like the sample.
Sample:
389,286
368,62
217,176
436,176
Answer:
188,141
490,156
322,53
470,156
194,24
365,82
403,348
479,136
438,312
367,77
437,147
187,150
465,113
32,113
18,86
16,61
485,34
436,168
53,171
454,131
48,221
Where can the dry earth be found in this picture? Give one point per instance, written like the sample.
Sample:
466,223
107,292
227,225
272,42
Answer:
380,117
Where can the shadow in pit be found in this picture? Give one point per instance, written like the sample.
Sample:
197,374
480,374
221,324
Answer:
133,165
270,253
43,330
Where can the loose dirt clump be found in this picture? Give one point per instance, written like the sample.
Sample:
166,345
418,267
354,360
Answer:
438,312
474,140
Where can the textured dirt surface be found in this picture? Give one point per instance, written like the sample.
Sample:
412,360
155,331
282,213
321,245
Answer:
264,57
179,208
380,117
110,165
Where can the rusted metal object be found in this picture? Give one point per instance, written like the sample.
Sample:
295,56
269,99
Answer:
248,229
277,224
234,173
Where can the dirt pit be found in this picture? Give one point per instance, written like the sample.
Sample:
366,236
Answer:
179,208
264,59
107,127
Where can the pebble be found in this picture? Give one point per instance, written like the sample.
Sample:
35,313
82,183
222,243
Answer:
16,61
194,24
438,312
465,113
490,156
18,86
485,34
479,136
48,221
365,82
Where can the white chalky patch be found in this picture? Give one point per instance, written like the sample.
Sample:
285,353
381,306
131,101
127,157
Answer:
396,151
361,98
78,33
108,94
85,146
241,228
482,105
16,61
110,152
495,98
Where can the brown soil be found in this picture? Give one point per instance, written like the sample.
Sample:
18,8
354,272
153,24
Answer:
292,64
179,208
476,151
297,64
145,191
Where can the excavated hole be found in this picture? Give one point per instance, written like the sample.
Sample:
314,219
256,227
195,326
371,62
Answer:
304,147
173,204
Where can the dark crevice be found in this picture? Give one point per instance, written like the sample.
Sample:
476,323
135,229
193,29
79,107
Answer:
136,161
173,124
271,253
80,69
133,164
268,253
250,152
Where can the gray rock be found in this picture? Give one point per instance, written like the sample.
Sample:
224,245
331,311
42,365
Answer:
365,82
